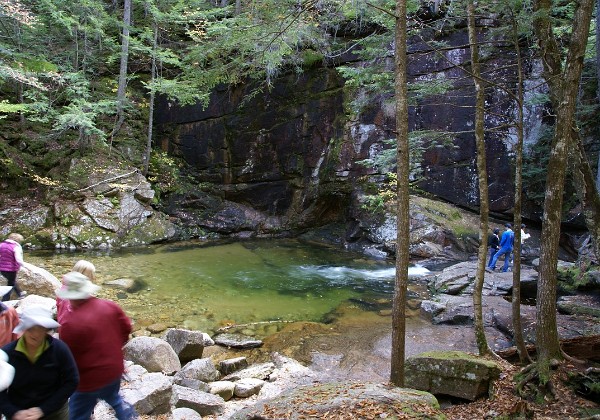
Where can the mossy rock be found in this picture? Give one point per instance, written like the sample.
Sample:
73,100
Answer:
451,373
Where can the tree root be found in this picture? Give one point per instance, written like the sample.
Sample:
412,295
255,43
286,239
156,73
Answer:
530,386
571,358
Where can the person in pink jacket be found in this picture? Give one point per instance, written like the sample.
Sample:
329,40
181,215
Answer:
11,260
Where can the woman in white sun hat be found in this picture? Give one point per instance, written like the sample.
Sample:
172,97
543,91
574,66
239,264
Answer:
45,371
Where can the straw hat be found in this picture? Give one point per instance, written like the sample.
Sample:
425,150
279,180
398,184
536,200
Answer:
76,286
36,315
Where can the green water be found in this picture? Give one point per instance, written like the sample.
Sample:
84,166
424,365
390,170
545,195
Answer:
204,286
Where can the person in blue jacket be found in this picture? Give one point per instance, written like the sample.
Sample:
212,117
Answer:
45,371
506,247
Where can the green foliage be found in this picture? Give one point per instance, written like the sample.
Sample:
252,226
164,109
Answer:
8,108
163,173
379,202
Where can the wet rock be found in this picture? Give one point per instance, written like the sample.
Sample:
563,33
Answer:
237,341
123,284
154,354
456,374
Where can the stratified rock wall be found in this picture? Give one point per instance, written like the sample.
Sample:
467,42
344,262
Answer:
292,156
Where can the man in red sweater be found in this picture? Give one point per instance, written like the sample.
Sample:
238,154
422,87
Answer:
95,330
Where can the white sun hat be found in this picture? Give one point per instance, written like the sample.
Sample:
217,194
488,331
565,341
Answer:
36,315
76,286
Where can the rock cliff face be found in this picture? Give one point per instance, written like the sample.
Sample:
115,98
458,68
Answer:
292,156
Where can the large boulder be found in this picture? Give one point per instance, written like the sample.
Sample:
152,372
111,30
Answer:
188,345
453,373
152,353
37,281
150,394
200,369
366,400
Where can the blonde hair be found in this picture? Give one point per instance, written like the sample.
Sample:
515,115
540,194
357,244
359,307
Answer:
17,237
86,268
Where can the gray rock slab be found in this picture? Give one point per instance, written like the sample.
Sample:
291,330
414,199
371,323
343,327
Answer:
237,341
204,403
316,401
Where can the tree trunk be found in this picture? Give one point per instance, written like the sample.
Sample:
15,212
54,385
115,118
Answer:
516,292
121,90
482,344
587,192
564,91
402,162
151,105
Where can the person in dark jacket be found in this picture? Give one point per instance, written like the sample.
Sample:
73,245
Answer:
494,244
45,371
506,247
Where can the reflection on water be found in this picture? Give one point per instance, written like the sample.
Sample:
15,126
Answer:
204,286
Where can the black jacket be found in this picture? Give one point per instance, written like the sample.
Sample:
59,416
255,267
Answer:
48,383
494,241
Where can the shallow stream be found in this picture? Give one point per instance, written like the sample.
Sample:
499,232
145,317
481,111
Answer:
208,285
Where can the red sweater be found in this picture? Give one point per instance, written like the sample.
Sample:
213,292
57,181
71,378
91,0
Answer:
95,332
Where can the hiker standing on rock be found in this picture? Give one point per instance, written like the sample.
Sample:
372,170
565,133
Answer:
11,260
506,248
494,244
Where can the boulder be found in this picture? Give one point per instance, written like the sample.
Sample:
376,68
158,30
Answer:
188,345
200,369
259,371
454,279
247,387
456,374
152,353
237,341
203,403
580,304
150,394
231,365
33,300
38,281
184,413
333,400
448,309
223,389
